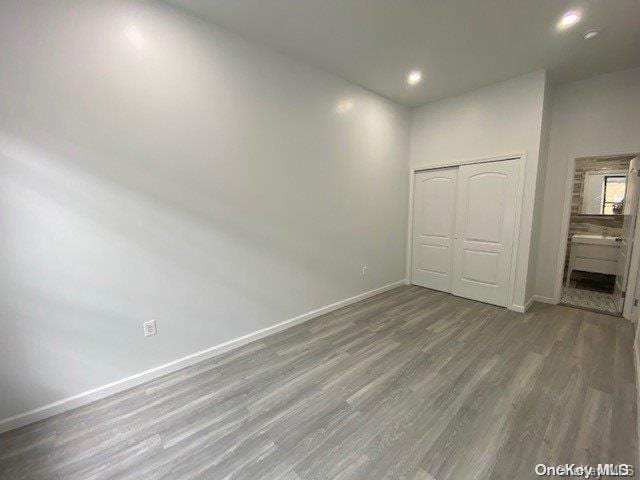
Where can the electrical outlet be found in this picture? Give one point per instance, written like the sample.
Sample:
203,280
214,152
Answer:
364,270
149,328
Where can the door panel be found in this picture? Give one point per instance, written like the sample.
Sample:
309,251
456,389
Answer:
481,267
435,220
485,223
630,211
435,258
433,224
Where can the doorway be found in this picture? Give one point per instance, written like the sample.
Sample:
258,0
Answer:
600,226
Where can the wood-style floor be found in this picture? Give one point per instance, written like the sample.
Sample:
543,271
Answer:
410,384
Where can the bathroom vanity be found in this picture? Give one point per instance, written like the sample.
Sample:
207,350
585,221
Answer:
593,253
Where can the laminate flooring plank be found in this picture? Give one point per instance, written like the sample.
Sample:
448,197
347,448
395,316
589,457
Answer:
409,384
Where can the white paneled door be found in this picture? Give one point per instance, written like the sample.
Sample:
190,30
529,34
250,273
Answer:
484,231
433,228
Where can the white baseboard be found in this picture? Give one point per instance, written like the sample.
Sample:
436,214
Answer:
103,391
521,308
543,299
535,298
527,305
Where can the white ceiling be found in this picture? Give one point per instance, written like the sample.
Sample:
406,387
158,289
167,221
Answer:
459,45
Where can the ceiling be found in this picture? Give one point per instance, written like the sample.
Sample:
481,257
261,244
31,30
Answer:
459,45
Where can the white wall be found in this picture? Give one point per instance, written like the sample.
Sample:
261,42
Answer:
597,116
154,167
505,118
543,157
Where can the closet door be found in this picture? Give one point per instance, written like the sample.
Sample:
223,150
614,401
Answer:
433,224
485,223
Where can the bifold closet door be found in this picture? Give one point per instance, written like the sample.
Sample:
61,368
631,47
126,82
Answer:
484,232
434,195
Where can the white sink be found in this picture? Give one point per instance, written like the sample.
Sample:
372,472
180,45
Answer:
593,239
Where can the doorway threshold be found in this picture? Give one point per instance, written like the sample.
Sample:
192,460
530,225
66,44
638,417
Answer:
589,300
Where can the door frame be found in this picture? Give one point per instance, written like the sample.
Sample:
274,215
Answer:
566,219
520,162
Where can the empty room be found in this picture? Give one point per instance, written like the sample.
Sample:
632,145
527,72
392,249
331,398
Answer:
319,239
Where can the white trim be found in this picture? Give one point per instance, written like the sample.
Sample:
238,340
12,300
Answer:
523,308
517,308
522,158
527,305
409,268
636,358
516,233
457,163
103,391
634,263
564,230
543,299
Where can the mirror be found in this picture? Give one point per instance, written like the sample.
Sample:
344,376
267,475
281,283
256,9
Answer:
603,192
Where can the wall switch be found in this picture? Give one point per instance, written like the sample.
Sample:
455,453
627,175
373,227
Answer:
149,328
364,270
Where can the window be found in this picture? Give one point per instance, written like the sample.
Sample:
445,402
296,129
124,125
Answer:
613,194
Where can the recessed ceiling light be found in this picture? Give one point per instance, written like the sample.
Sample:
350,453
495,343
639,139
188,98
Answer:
591,34
414,77
569,19
344,106
135,36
